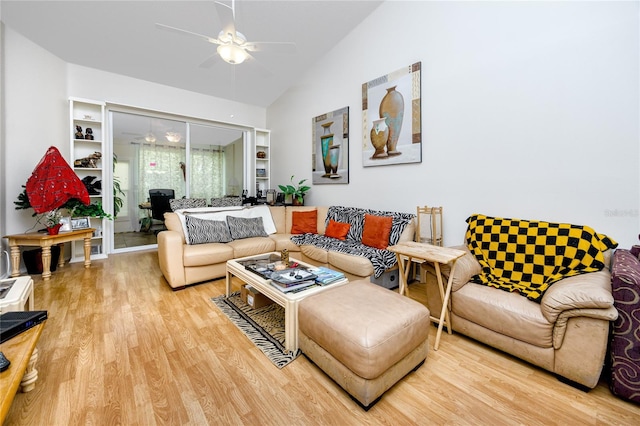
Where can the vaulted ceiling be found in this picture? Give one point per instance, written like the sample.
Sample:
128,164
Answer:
121,37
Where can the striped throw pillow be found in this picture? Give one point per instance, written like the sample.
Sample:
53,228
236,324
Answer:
202,231
245,227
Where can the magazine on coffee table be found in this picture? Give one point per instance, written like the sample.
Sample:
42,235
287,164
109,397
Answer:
293,276
326,276
294,288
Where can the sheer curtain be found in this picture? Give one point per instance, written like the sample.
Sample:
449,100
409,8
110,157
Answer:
164,167
160,167
207,173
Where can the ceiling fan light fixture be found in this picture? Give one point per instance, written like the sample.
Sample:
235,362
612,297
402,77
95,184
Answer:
232,54
173,136
150,137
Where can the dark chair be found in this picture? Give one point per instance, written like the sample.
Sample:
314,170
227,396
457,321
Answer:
159,199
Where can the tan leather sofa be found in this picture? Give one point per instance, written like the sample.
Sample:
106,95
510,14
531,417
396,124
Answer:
183,264
566,333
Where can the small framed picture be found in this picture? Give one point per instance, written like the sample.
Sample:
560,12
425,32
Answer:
66,224
80,223
261,172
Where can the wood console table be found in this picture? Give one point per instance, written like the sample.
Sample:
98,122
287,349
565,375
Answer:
410,251
22,352
45,241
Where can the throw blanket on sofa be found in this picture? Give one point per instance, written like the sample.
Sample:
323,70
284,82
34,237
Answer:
528,256
380,259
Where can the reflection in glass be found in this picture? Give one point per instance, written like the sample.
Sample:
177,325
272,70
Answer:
216,162
160,166
195,160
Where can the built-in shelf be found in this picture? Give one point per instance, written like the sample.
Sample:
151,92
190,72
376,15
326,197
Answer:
79,109
262,144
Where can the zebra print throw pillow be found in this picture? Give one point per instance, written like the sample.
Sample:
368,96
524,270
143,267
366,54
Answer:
187,203
246,227
226,201
203,231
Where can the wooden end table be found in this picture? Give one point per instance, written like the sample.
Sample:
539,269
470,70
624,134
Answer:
45,241
22,352
19,297
411,251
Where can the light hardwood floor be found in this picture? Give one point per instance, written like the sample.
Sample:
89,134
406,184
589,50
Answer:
120,347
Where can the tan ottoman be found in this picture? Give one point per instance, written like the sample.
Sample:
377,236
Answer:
365,337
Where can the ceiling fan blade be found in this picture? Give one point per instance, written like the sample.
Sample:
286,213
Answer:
227,17
264,71
186,32
271,46
210,61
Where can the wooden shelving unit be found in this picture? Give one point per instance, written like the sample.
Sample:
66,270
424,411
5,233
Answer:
89,115
261,160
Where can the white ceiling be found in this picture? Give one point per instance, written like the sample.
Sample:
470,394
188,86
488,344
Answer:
121,37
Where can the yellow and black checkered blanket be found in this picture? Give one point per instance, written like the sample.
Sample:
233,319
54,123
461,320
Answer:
528,256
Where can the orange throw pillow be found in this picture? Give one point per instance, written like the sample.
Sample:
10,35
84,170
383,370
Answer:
304,222
337,230
376,230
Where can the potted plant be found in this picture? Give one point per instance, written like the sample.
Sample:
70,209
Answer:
296,192
118,202
52,220
74,206
77,209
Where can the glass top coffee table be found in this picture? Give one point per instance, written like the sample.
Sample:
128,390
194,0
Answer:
289,301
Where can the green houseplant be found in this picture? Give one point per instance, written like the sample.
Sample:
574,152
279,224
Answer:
296,192
74,206
118,202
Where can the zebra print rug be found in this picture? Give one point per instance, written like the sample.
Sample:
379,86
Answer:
263,326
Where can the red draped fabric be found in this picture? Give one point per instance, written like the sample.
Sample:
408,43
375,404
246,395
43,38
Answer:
53,183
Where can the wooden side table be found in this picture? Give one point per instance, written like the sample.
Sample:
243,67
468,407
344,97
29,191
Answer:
410,251
45,241
21,351
19,297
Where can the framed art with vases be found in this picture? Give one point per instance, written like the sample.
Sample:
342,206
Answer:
330,147
391,118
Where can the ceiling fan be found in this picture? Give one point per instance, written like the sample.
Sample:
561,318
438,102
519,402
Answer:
157,130
151,137
233,46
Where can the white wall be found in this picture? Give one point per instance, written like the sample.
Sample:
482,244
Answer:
91,83
36,111
529,110
35,118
